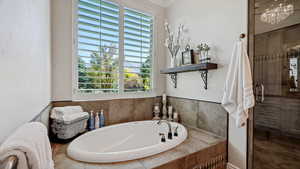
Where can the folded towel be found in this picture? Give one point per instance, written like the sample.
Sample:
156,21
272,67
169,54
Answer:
60,112
72,117
72,109
30,144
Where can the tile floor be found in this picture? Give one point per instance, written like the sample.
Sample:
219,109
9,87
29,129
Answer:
276,152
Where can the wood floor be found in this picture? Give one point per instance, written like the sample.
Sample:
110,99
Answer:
276,152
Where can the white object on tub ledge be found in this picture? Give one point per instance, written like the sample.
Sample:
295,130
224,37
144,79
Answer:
124,142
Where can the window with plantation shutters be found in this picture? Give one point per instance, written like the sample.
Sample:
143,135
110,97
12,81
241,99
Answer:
101,67
137,50
98,46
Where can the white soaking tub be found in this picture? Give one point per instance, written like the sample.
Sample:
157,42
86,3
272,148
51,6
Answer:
123,142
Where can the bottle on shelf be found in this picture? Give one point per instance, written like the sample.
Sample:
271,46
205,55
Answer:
102,119
91,121
97,121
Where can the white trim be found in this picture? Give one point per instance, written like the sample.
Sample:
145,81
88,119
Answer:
231,166
121,50
155,68
137,5
74,49
90,97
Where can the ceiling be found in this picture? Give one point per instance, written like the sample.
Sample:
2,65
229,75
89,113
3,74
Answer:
163,3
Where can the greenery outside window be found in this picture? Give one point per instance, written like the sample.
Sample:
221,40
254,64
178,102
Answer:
114,48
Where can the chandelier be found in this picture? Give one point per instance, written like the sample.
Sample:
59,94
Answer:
277,13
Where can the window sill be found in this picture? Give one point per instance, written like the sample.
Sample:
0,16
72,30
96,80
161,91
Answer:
94,97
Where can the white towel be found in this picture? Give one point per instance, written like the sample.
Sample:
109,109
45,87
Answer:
71,117
238,95
30,144
62,113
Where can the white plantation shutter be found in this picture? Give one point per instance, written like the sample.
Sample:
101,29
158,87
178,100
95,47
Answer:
138,35
98,43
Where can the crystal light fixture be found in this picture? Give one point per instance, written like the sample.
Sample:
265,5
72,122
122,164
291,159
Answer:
277,13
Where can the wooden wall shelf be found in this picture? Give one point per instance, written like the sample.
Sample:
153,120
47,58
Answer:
202,67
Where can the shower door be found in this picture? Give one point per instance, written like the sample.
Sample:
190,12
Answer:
276,121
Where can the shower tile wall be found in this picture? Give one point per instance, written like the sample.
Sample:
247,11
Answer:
204,115
274,53
118,110
282,115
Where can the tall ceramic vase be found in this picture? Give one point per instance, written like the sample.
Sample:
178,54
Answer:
173,62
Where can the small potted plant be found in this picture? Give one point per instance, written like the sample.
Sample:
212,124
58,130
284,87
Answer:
203,50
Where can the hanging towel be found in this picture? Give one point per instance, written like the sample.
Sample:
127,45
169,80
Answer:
31,146
238,94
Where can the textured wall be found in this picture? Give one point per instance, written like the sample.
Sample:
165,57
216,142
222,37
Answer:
204,115
25,61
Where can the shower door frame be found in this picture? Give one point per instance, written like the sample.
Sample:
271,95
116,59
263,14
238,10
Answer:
251,47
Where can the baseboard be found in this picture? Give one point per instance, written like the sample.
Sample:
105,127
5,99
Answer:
231,166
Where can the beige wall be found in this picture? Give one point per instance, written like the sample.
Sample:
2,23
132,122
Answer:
25,61
61,23
62,46
218,23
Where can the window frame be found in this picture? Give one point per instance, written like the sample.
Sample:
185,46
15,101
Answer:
77,96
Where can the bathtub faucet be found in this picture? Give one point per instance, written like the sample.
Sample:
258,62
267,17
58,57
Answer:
169,125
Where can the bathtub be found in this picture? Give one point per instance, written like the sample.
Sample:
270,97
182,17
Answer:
123,142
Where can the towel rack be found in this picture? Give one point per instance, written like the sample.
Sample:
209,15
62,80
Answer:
10,163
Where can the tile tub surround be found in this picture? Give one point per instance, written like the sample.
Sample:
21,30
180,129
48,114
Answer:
208,116
43,116
201,149
118,110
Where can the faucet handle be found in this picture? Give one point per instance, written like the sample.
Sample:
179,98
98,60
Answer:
170,135
163,138
176,131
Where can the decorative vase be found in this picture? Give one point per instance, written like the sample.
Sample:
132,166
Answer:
178,61
173,62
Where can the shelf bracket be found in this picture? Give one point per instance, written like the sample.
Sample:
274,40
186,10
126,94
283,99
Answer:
204,78
173,77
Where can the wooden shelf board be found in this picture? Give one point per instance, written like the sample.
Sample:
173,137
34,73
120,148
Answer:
190,68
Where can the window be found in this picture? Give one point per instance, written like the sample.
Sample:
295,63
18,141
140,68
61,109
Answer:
137,50
102,67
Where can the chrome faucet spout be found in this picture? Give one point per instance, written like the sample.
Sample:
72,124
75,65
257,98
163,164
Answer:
169,126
